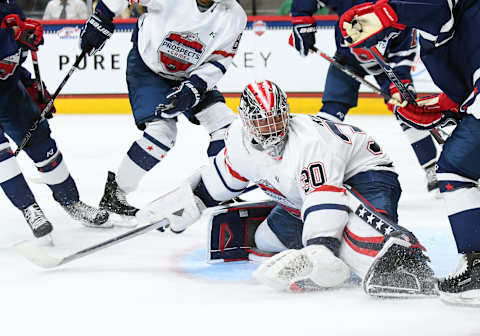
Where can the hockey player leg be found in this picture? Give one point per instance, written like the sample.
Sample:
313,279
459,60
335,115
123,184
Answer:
299,268
458,172
425,151
387,256
54,172
311,268
18,192
215,116
144,154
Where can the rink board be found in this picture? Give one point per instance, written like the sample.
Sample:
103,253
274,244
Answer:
263,53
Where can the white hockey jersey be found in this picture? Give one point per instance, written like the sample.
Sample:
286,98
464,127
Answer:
176,40
318,158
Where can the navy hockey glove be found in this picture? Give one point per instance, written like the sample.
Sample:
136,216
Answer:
28,33
97,30
183,97
304,29
367,24
40,99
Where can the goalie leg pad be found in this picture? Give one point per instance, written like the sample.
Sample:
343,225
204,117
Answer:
314,267
232,231
400,271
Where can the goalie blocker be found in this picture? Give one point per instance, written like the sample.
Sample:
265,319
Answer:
385,255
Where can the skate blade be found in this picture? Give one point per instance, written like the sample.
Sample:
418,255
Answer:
469,298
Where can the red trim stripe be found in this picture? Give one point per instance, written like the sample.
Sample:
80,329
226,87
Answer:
370,253
275,191
266,254
223,53
231,171
296,212
368,203
330,188
376,240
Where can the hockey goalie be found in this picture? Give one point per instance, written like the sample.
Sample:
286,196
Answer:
333,209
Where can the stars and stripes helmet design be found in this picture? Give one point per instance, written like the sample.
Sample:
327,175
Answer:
265,114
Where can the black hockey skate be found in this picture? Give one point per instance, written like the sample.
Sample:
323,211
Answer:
114,199
88,215
37,221
463,287
400,272
431,175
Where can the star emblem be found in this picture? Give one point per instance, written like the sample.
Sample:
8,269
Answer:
150,148
388,230
370,219
361,212
379,225
449,186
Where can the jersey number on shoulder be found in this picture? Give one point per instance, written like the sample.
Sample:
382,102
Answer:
335,128
313,176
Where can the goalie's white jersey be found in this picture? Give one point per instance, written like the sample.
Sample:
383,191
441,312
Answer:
176,40
319,157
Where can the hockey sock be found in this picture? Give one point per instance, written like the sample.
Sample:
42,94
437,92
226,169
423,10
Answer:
462,201
333,109
53,170
143,155
12,181
217,142
422,144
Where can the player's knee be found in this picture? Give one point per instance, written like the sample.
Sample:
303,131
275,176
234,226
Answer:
215,117
162,132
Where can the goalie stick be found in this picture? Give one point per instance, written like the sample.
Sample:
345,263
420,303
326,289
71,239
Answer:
40,258
33,128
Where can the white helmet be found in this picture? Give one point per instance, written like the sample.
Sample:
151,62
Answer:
265,115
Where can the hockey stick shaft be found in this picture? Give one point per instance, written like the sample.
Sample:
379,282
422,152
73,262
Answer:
31,252
352,74
404,92
29,133
36,69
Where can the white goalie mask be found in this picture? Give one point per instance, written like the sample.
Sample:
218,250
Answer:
265,115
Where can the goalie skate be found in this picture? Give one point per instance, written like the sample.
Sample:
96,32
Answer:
314,267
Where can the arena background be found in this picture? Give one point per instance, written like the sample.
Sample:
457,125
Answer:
99,86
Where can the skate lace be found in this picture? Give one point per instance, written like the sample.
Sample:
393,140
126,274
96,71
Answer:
34,216
121,196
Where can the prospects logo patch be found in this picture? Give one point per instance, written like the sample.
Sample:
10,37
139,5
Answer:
179,51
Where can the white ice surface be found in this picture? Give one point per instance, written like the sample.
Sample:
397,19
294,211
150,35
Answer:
158,284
